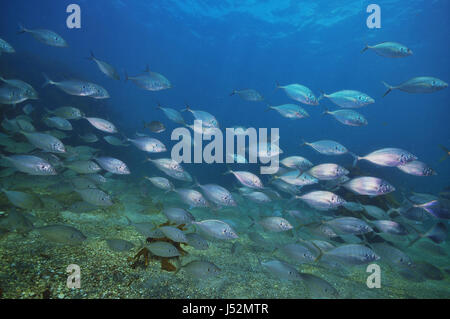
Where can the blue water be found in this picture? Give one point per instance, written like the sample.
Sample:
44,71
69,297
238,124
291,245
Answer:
207,49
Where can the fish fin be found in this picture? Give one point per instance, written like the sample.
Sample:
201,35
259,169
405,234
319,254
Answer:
21,29
356,158
303,142
443,158
321,253
412,242
229,171
47,80
389,87
321,96
365,48
187,109
253,221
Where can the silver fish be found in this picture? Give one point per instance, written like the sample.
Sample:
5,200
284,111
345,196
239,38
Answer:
274,224
389,49
327,147
281,270
72,87
62,234
83,167
390,227
247,179
248,95
12,95
66,112
208,120
349,225
348,117
258,197
217,229
290,111
191,197
178,215
21,199
46,36
151,81
217,194
105,67
161,182
28,91
353,254
148,144
174,234
197,241
45,142
6,47
421,84
58,122
101,124
110,139
318,287
89,138
387,157
417,168
95,197
297,178
112,165
296,162
172,114
163,249
30,164
201,269
322,200
300,93
366,185
327,171
349,98
119,244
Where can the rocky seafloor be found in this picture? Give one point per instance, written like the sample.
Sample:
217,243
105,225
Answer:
31,267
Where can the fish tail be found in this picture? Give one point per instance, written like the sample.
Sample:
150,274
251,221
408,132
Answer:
412,242
321,96
320,252
229,171
269,107
326,111
21,29
389,87
126,75
447,152
303,142
47,80
233,93
92,57
365,48
253,221
187,109
128,220
356,158
147,159
277,85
